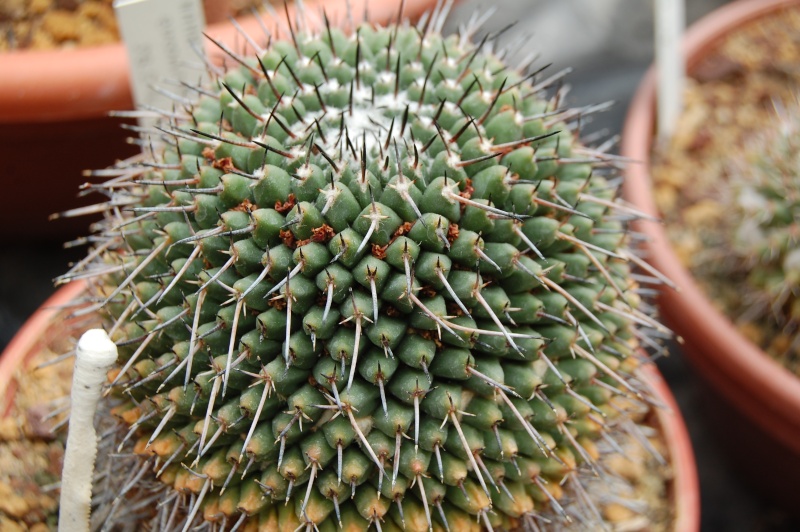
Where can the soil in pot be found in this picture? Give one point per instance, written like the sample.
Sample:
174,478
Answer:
32,410
31,455
46,24
43,24
636,493
730,100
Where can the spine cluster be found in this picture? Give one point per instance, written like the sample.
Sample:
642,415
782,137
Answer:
371,279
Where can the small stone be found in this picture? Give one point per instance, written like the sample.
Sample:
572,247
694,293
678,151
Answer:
11,9
37,7
626,468
781,343
12,504
616,513
98,37
9,429
68,5
36,424
41,41
8,525
752,332
666,198
62,25
703,213
103,23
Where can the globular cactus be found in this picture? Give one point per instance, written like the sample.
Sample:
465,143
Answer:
370,278
766,187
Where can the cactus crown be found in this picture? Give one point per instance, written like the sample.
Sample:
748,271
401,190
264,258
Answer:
375,276
766,190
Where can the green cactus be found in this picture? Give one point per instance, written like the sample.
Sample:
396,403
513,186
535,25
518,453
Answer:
370,279
766,190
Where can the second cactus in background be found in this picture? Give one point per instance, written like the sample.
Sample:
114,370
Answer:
766,194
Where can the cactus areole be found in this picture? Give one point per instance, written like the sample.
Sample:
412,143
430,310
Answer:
370,277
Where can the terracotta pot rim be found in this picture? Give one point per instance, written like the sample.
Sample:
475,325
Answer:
767,392
92,81
685,482
29,337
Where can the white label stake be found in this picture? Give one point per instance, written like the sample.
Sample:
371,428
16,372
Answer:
163,38
670,16
96,353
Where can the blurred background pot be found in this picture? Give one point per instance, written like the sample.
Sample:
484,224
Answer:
753,402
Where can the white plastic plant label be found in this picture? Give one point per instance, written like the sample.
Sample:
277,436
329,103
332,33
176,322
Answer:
164,39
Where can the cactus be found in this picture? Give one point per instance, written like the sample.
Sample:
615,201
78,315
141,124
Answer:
766,193
370,278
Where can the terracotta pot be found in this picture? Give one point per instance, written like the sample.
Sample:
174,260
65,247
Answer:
683,489
759,400
54,124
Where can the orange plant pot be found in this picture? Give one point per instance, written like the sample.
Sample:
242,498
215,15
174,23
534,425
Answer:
756,401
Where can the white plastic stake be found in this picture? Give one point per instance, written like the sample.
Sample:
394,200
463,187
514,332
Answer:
163,38
95,355
670,17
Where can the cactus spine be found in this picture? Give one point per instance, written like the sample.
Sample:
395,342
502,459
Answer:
370,279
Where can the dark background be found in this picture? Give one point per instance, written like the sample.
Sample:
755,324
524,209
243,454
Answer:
609,44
